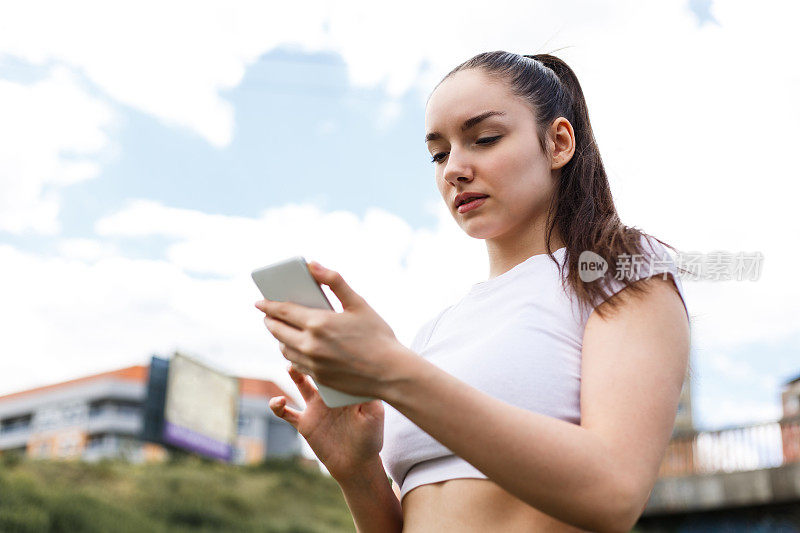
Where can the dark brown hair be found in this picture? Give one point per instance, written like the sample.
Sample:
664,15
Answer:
582,208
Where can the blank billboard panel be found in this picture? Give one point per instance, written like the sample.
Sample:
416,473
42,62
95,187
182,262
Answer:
200,413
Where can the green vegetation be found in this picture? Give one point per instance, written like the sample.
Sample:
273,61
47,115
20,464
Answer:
185,494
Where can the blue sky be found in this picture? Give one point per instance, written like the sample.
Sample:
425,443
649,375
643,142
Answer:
142,181
301,134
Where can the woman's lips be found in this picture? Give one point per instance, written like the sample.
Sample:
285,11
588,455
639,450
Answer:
469,206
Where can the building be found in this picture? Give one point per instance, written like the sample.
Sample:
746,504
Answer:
790,398
790,422
101,416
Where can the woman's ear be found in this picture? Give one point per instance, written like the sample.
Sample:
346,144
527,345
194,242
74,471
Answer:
562,143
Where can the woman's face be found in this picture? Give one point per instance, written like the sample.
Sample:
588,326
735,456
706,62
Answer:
498,156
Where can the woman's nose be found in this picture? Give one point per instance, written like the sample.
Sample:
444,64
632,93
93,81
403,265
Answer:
458,168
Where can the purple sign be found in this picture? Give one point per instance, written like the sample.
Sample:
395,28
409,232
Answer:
196,442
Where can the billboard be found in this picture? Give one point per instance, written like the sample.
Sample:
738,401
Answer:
200,408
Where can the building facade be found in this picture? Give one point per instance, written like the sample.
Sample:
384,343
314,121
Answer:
101,416
790,422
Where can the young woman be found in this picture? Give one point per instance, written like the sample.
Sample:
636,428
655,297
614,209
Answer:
544,399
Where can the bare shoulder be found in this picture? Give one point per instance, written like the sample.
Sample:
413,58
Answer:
660,295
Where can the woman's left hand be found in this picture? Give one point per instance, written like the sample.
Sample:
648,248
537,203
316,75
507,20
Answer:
352,351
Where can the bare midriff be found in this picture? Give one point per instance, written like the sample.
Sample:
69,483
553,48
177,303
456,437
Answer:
473,505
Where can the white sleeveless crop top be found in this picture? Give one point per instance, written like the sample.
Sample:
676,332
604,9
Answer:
516,337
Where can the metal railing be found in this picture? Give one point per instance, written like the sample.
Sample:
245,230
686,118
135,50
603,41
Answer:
738,449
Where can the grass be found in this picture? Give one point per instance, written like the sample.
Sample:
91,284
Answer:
188,494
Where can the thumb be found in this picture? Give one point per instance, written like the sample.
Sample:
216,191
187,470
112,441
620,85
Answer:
278,406
338,285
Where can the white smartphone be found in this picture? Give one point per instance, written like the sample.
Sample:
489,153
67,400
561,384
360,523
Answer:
291,281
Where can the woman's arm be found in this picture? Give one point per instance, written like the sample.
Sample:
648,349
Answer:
598,475
372,502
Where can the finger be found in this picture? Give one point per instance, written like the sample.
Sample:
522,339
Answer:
282,331
307,390
373,408
278,406
338,285
301,361
289,312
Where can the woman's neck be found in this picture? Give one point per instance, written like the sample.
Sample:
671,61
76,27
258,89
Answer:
506,254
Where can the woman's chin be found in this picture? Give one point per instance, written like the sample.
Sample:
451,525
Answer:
478,231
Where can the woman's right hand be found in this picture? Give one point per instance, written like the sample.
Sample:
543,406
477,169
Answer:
343,438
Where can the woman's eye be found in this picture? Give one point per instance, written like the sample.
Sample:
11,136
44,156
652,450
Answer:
485,140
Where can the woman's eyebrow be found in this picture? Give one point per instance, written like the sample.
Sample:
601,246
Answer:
470,122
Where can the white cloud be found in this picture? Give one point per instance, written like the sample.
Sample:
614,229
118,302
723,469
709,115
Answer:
86,250
72,318
50,135
91,308
170,60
